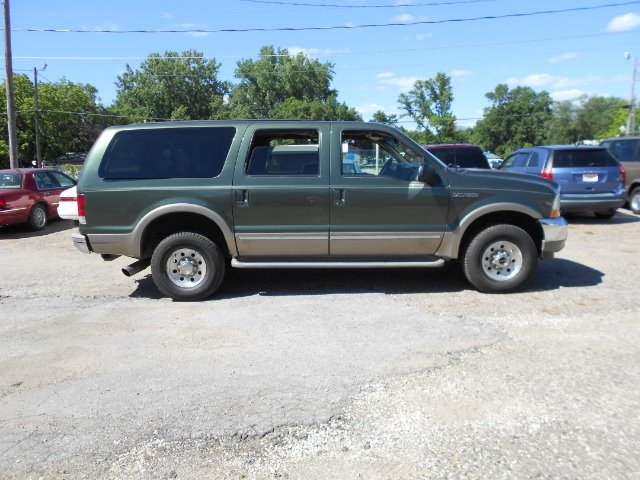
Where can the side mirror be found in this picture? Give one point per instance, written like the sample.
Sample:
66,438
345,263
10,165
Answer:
428,175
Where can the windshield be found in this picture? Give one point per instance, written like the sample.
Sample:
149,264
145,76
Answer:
10,181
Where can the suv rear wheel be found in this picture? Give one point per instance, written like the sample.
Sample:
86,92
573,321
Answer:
499,259
187,266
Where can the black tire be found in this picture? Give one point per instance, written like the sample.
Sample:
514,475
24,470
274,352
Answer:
500,259
605,214
38,217
199,266
634,200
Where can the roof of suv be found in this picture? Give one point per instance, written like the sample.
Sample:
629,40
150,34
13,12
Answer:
449,145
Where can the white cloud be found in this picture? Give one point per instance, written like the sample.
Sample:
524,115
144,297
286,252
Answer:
404,18
573,94
544,80
105,26
403,84
624,23
563,57
424,36
369,108
314,52
460,73
167,15
385,75
191,26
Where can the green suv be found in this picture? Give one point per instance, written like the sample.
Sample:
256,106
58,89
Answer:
193,198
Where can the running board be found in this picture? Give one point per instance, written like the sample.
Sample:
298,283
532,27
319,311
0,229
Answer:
337,264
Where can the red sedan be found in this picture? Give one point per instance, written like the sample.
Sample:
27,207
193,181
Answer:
31,195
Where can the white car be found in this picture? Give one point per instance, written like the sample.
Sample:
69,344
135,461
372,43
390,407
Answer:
68,206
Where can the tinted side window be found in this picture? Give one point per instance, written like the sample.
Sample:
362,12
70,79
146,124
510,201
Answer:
445,155
517,160
583,158
284,153
379,153
45,181
189,152
624,150
534,160
63,180
471,158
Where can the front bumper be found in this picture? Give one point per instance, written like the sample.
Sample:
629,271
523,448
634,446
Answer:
555,232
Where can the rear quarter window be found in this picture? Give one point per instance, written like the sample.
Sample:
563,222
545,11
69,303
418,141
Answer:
167,153
583,158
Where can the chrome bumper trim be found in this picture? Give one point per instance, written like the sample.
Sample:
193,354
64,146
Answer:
555,232
80,242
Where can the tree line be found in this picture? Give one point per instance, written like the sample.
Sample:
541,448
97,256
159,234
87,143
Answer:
186,86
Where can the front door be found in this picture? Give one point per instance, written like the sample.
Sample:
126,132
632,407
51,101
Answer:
378,209
281,193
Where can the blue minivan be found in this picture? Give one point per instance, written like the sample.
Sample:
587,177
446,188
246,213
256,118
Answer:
590,178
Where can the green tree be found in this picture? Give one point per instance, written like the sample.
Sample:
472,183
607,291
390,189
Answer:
516,118
70,119
596,116
562,125
177,86
314,110
279,84
429,105
382,117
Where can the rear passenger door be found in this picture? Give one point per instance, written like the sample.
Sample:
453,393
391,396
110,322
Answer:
281,192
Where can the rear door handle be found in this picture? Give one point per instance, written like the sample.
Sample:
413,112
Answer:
242,198
338,197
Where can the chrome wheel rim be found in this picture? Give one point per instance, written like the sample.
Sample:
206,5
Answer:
502,260
186,268
634,203
39,217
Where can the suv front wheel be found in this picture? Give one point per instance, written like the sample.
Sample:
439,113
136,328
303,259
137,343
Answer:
499,259
187,266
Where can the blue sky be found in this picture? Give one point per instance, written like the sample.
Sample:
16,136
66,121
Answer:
567,54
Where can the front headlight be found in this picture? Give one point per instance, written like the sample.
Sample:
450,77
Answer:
555,208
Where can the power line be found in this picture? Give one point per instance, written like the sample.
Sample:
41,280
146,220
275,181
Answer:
327,53
335,27
394,5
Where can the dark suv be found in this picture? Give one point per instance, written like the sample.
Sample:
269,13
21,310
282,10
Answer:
192,199
590,179
461,155
627,151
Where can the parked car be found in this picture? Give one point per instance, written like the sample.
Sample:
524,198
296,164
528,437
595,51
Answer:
31,195
462,155
245,202
590,179
68,206
627,151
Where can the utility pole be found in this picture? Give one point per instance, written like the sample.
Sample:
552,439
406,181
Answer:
631,119
36,105
11,104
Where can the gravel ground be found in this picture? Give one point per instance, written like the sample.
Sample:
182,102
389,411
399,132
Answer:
321,374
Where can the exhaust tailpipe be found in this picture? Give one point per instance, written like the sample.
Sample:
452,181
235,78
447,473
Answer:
136,267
